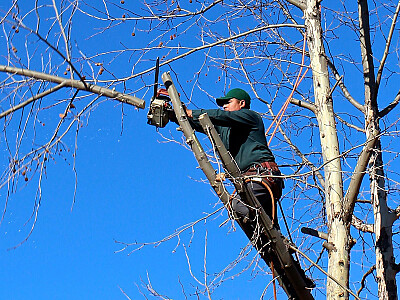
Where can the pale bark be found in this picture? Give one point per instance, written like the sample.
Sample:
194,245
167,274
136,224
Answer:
338,229
385,262
385,272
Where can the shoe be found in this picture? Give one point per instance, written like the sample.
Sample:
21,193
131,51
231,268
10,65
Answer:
308,281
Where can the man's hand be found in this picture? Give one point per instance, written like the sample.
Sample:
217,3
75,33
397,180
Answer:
189,112
172,116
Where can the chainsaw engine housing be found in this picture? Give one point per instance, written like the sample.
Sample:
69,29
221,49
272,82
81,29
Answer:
158,112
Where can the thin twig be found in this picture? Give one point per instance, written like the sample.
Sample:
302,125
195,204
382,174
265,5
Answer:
323,271
30,100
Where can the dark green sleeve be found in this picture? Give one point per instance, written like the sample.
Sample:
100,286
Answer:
195,120
243,117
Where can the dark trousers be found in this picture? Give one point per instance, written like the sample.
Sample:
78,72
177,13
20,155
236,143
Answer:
262,193
263,196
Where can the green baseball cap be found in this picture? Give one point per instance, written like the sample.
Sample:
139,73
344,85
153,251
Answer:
235,93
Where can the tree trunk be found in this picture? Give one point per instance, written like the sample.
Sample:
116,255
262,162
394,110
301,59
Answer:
383,220
385,263
338,229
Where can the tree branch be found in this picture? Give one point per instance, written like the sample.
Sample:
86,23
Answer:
77,84
349,124
366,52
344,89
360,225
385,53
390,107
298,3
304,104
357,177
364,278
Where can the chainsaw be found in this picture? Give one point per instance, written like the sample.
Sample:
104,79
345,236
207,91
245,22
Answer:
160,106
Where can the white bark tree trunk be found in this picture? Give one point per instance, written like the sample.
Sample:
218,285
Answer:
338,229
385,263
383,219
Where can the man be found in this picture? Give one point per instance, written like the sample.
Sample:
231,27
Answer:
242,132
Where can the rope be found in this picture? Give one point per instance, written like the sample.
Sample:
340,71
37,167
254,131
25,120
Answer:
278,118
273,279
270,193
272,200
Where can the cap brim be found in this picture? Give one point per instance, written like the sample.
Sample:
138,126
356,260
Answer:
221,101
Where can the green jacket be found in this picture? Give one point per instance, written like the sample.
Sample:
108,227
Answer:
242,133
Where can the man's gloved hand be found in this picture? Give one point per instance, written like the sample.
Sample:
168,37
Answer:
188,111
172,116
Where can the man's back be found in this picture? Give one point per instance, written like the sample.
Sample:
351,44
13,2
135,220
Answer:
242,132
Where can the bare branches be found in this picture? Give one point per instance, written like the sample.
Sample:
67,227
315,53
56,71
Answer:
390,107
298,3
344,89
364,278
77,84
30,100
211,45
386,51
176,13
362,226
66,40
357,177
176,234
46,41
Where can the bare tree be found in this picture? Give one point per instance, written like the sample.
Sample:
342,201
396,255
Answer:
328,139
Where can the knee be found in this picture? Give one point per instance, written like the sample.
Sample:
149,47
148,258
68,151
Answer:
240,208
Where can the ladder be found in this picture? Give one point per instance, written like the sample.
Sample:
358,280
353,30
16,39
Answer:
268,241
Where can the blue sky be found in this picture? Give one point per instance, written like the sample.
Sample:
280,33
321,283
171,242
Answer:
134,185
130,188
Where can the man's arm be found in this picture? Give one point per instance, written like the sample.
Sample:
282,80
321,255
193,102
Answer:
194,122
243,117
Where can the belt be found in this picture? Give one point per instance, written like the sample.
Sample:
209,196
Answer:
265,165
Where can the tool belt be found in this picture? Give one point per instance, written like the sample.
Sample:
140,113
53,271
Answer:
270,165
267,171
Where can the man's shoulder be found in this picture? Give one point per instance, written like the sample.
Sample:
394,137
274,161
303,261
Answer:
250,113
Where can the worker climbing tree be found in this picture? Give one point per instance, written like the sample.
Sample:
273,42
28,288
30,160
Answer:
242,132
240,142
